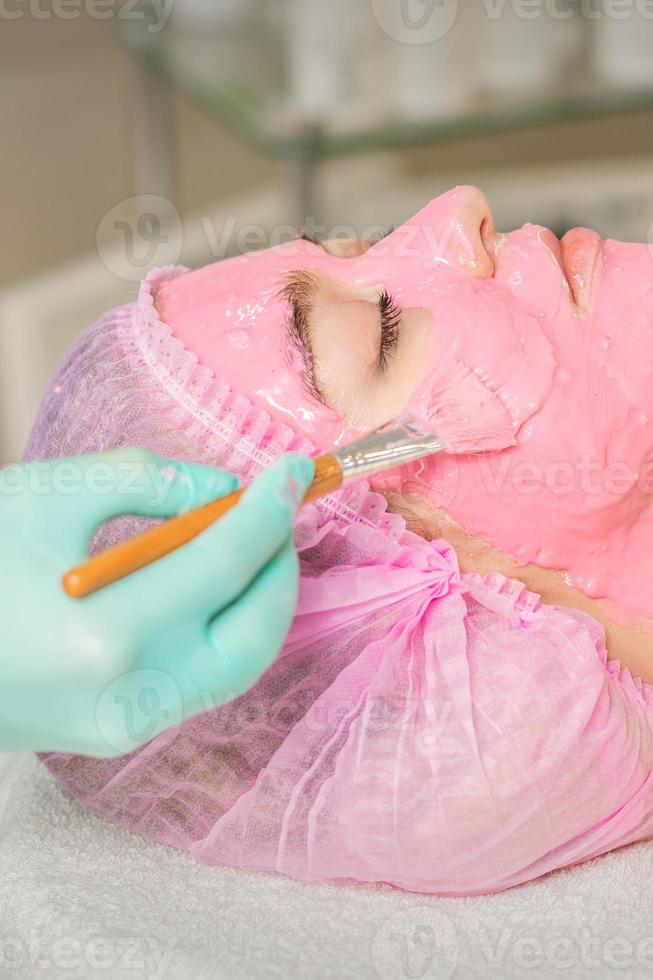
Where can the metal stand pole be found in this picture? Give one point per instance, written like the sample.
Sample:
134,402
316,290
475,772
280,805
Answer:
303,179
152,135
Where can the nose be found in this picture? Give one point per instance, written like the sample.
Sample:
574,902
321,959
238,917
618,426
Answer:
468,231
455,229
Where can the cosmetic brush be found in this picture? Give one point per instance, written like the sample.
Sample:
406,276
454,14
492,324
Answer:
463,417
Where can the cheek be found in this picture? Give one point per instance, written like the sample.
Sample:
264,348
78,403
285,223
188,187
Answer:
480,324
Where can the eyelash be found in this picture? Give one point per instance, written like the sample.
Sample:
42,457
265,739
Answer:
390,325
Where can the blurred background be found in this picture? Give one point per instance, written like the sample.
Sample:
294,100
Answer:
148,132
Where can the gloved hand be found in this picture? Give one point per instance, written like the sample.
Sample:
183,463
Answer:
101,675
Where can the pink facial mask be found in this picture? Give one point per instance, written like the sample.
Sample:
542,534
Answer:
573,493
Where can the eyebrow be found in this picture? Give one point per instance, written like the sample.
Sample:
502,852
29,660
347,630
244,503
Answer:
299,291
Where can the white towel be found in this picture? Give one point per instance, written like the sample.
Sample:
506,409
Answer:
82,899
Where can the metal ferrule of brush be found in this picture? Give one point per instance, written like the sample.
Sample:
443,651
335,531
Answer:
385,449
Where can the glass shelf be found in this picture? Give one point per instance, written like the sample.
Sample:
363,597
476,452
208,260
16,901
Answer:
237,75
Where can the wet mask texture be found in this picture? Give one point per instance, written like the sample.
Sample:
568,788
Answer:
439,732
574,492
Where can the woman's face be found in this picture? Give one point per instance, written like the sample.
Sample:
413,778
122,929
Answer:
561,332
339,336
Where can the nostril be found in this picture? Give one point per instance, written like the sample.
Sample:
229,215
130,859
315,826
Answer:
488,236
484,242
476,222
486,232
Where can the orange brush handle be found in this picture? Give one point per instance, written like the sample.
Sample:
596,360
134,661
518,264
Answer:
143,549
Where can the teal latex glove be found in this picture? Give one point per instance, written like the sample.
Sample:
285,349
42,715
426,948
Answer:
101,675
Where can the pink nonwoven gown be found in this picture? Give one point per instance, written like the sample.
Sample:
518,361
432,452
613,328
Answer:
443,733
